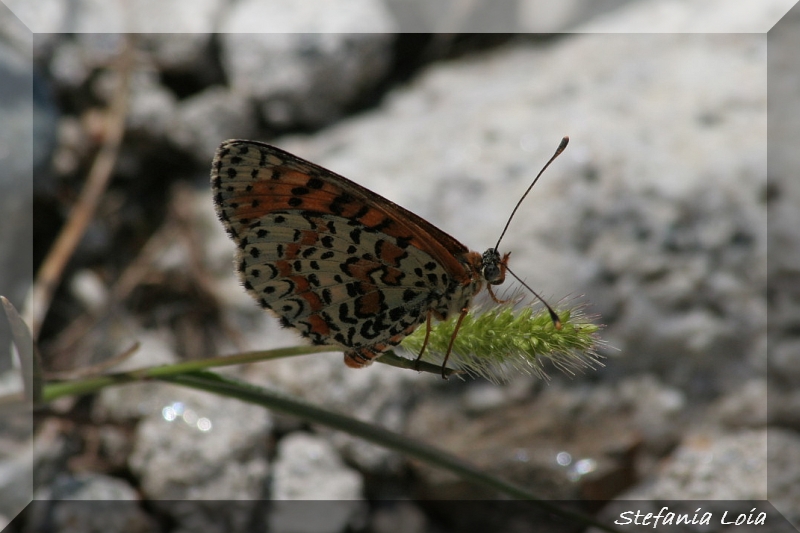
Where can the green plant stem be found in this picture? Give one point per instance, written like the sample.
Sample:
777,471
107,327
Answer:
94,384
55,390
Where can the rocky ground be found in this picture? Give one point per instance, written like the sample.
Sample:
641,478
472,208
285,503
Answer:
655,217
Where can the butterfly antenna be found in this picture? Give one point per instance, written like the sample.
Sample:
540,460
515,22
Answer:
560,149
553,315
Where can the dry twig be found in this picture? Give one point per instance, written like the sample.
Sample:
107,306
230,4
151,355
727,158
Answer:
52,269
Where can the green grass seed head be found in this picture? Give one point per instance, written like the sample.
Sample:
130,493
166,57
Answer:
496,341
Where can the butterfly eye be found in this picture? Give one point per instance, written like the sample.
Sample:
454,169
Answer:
491,273
490,267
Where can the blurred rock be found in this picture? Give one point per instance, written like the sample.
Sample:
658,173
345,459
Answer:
220,454
89,502
540,17
305,79
573,456
711,466
784,473
723,472
745,407
484,16
678,16
199,446
128,402
380,395
53,446
17,468
306,469
206,119
152,108
399,517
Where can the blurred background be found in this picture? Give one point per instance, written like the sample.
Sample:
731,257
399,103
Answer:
655,218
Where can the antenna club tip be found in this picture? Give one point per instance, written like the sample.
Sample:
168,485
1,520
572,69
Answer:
564,142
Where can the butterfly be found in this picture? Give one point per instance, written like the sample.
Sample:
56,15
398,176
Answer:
340,263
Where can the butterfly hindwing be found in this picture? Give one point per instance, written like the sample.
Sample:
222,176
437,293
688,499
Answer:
334,260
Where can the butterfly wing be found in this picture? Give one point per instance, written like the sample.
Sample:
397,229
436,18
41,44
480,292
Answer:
338,262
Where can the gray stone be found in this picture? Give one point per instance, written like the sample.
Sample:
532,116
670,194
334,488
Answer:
542,17
206,119
189,52
111,505
196,445
89,487
560,453
784,473
378,394
68,66
711,466
176,22
685,16
399,517
16,467
308,468
784,406
152,109
46,17
448,19
743,407
305,78
730,472
132,401
203,449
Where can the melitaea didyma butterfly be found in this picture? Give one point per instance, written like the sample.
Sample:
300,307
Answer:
341,264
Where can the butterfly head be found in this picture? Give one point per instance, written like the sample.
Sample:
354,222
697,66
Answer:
493,266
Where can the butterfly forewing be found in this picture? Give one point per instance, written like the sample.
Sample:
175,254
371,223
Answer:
338,262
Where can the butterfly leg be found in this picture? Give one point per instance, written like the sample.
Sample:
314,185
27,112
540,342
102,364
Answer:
495,298
452,340
424,342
